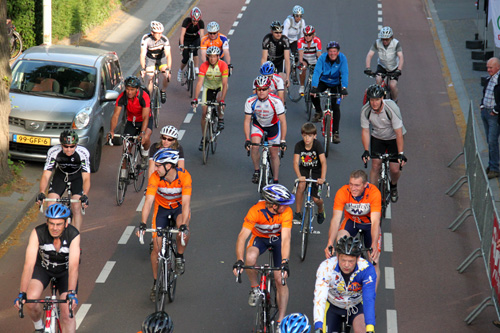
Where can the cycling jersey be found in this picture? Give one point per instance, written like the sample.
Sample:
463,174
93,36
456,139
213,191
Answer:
358,210
265,224
156,49
277,84
310,49
276,48
331,286
134,108
192,30
50,259
383,123
293,30
70,165
213,74
387,56
169,195
309,159
221,42
332,73
265,112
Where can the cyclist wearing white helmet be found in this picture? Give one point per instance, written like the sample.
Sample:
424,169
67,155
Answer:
155,53
276,48
215,38
390,59
293,27
193,28
168,139
269,223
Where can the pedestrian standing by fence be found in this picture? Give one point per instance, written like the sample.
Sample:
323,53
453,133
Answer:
490,107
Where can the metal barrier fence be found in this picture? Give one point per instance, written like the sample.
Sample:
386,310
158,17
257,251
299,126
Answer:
482,208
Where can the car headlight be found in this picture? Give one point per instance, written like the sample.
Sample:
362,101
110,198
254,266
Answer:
82,119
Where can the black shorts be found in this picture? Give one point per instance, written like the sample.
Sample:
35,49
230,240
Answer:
378,146
210,95
185,52
134,130
293,50
161,217
334,317
353,229
382,70
58,185
263,244
44,276
279,64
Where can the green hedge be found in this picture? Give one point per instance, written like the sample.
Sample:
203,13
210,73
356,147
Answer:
68,17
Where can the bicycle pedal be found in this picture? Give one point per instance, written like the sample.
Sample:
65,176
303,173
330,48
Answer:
315,232
297,222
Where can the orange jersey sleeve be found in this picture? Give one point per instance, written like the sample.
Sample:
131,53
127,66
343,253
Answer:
263,223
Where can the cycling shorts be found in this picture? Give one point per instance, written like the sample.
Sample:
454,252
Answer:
210,94
263,244
382,70
378,146
134,130
334,317
44,276
353,227
185,52
279,64
293,50
151,63
273,132
161,217
58,185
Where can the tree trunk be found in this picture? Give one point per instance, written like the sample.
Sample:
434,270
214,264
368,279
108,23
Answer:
5,78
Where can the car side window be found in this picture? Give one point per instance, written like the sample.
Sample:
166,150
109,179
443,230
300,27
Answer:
106,79
114,71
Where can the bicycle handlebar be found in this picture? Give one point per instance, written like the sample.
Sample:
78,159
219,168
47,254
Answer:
161,231
387,156
123,136
328,94
45,301
265,144
262,268
63,201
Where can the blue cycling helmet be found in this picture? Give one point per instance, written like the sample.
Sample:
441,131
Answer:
277,194
166,155
267,68
333,45
57,211
295,323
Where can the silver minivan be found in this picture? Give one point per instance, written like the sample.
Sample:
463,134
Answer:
62,87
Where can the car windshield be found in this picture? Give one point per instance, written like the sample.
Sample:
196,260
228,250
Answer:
46,78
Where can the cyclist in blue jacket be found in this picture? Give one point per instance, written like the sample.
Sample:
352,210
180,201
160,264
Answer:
331,72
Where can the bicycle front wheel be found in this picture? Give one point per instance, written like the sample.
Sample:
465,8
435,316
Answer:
383,186
172,277
306,226
206,141
16,45
307,100
161,286
139,173
213,132
157,106
260,325
122,179
327,128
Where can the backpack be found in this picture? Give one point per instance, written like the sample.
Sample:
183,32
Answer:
124,100
391,105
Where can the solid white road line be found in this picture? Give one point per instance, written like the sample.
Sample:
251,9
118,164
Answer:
188,118
126,235
390,283
392,321
387,242
106,270
82,312
181,134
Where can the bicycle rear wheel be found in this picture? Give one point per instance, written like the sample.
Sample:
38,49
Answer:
172,277
206,141
213,132
327,123
161,286
16,45
293,89
306,226
121,181
139,173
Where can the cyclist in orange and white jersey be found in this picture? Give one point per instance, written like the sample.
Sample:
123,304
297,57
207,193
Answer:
215,38
309,48
277,86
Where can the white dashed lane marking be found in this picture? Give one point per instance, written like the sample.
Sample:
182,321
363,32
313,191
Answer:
126,235
105,272
82,312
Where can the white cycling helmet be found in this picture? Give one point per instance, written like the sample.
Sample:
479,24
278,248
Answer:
170,131
156,26
213,27
297,10
385,32
213,50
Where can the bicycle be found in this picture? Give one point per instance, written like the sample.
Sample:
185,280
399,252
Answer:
166,280
294,79
15,40
265,170
129,167
306,227
155,97
189,73
50,308
267,305
307,91
65,200
327,124
210,131
385,84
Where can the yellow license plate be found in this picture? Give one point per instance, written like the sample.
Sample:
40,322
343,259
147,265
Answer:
31,140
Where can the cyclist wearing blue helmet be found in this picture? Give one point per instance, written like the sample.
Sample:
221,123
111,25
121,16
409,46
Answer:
277,86
269,223
295,323
53,251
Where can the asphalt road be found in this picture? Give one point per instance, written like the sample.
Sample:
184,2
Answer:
428,292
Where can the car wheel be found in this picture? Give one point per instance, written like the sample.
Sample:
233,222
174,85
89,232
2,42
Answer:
95,158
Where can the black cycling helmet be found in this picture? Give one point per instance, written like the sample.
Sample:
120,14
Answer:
158,322
333,45
68,137
132,81
276,26
375,91
348,245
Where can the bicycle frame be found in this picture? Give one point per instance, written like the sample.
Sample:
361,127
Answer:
189,73
266,172
210,130
307,90
384,181
327,124
155,95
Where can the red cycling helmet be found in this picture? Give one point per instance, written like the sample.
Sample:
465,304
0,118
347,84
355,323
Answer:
196,14
309,30
262,81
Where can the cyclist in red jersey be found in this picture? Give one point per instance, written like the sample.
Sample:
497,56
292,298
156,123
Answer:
309,48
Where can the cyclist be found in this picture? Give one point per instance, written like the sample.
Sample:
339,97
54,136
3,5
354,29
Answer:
168,139
276,48
309,51
193,28
390,59
387,134
158,322
331,72
309,156
53,251
169,188
264,117
215,38
137,104
347,283
155,52
295,323
269,223
71,163
277,86
361,204
213,77
293,26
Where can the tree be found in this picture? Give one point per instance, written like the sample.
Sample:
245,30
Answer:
5,78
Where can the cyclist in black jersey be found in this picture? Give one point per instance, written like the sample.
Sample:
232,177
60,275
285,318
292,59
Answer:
53,251
71,163
276,48
193,28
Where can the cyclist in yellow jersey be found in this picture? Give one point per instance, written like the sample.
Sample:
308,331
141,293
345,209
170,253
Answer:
213,78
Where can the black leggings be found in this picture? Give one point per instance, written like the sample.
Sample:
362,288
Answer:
335,107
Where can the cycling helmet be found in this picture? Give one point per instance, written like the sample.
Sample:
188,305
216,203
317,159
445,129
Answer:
278,194
196,14
170,131
308,30
213,50
158,322
349,245
375,91
262,82
276,26
295,323
213,27
166,155
68,137
132,81
385,32
57,211
267,68
156,26
333,44
297,10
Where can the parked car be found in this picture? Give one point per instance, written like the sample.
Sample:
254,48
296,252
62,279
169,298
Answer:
62,87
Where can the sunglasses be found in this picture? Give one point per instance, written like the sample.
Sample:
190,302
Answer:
212,33
277,32
308,35
69,146
262,89
297,15
167,138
